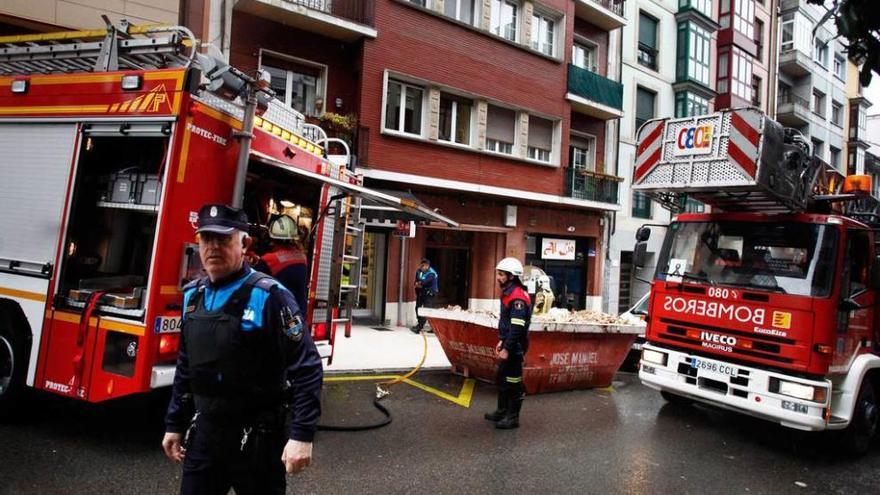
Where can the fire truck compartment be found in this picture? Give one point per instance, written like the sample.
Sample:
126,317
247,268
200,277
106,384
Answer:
108,245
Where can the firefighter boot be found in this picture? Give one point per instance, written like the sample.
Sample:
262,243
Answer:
511,419
501,411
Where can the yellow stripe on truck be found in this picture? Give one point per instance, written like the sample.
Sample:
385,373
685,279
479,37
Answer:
22,294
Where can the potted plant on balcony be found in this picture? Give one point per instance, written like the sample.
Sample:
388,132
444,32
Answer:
339,126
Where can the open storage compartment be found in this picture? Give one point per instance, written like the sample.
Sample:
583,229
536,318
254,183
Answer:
112,229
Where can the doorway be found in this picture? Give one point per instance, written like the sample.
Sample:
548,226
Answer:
371,297
450,255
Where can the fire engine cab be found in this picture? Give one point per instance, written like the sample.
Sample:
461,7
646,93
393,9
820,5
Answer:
767,304
110,141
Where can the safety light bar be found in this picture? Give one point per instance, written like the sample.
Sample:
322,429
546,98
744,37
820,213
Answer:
857,184
19,86
131,82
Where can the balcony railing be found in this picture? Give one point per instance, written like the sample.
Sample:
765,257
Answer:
592,186
360,11
594,87
794,99
615,6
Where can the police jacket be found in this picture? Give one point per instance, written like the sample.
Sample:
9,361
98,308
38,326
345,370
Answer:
428,280
244,352
516,316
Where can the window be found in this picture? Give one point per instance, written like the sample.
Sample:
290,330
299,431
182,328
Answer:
420,3
403,108
543,34
837,114
463,10
500,129
693,53
759,38
742,16
688,104
819,103
298,85
739,79
540,139
641,206
723,71
694,206
648,41
455,119
645,101
504,18
787,32
820,52
584,56
702,6
839,67
818,147
582,152
835,157
756,91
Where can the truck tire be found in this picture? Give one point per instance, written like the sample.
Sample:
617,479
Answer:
858,436
13,367
675,400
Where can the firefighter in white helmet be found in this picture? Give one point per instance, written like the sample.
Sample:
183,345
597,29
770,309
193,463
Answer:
513,342
544,296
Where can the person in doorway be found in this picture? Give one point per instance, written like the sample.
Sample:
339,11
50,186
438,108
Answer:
246,394
286,259
544,296
513,342
426,285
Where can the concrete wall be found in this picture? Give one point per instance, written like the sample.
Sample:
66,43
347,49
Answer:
86,14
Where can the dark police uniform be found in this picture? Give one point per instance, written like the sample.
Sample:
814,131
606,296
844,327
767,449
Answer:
427,289
248,378
513,332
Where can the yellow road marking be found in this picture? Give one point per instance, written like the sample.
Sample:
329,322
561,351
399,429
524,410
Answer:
23,294
463,399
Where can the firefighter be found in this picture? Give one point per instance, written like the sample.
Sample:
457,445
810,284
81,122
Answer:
544,297
286,259
246,395
426,286
513,342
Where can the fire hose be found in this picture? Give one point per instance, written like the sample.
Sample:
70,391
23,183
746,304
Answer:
383,389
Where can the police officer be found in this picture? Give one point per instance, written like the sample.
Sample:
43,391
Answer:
286,260
427,286
246,394
513,342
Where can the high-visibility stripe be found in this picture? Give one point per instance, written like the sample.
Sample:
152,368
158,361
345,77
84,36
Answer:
647,164
117,326
55,109
184,151
749,132
514,379
23,294
744,161
654,134
517,321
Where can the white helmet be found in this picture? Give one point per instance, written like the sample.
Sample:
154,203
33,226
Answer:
284,228
544,281
510,265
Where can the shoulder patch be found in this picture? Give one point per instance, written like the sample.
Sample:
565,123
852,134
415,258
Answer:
291,324
519,304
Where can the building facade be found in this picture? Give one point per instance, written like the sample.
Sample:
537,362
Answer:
33,16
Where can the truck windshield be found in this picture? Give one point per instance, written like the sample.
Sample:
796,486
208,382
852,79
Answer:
786,257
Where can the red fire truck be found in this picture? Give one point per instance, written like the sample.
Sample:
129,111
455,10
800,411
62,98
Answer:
767,304
110,141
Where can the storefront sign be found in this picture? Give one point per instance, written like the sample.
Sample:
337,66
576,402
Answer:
404,229
558,249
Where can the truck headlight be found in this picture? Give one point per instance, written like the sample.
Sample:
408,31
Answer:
798,390
654,357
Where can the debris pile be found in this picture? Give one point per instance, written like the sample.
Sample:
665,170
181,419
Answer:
559,315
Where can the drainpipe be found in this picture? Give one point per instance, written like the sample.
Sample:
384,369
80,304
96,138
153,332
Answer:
400,283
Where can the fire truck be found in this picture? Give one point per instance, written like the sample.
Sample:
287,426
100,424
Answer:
767,304
110,142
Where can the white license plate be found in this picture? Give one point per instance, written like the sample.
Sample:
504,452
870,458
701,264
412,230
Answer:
167,324
713,367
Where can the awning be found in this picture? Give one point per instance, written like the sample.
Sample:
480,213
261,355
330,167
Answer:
414,208
378,212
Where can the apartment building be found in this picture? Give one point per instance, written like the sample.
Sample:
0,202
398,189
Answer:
34,16
813,80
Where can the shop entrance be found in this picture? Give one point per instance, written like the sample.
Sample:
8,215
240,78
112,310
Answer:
450,255
566,261
371,299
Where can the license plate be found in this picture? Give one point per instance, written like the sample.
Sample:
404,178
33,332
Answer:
713,367
167,324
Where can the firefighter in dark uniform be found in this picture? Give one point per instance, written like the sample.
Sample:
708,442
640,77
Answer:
513,342
246,394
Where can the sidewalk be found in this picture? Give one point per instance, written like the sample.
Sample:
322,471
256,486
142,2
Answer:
391,349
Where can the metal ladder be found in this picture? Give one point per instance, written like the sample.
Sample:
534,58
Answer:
348,257
126,47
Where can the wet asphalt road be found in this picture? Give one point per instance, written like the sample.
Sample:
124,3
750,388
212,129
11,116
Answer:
626,440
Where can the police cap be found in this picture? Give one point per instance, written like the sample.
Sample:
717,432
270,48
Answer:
222,219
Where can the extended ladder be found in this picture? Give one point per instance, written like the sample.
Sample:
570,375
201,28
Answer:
114,48
347,261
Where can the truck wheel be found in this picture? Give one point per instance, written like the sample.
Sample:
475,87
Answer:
13,367
857,437
676,400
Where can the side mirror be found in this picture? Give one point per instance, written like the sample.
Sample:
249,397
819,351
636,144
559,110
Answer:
643,234
640,252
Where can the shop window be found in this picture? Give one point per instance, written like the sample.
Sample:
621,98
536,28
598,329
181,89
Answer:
500,129
455,119
403,107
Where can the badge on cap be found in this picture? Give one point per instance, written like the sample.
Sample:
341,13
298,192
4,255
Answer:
213,211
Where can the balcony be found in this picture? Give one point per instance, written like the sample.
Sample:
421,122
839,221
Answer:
592,186
606,14
343,20
795,63
793,111
594,95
